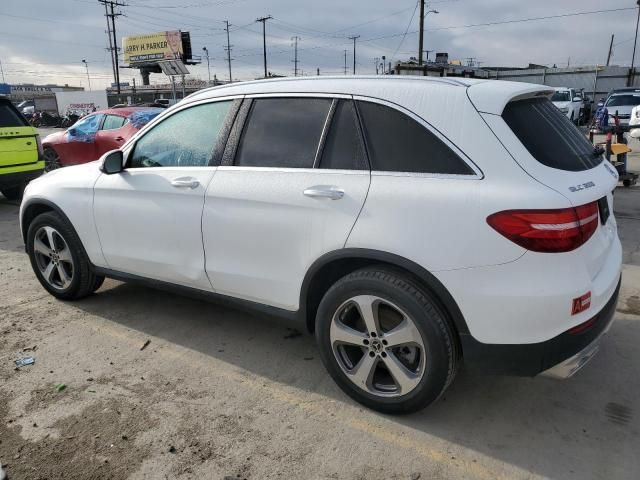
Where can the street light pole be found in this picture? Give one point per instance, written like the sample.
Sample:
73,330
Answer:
421,39
87,67
633,57
208,66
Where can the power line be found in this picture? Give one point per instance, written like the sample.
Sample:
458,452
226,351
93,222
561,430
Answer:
406,29
113,44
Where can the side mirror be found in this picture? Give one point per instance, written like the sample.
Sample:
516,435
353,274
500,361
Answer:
112,162
72,132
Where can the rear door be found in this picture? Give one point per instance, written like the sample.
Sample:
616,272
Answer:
111,135
557,154
18,145
287,192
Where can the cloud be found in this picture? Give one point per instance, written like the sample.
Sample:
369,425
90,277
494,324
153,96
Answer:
44,42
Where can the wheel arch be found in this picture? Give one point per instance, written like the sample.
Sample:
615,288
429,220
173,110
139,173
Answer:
34,207
332,266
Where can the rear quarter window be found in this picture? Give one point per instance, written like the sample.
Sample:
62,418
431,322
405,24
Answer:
549,136
10,117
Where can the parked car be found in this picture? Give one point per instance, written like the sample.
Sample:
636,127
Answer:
570,102
621,103
20,151
411,223
95,134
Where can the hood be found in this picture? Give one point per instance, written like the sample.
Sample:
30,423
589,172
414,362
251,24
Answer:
561,104
54,137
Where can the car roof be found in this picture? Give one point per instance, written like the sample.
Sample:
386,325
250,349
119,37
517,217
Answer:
127,111
488,95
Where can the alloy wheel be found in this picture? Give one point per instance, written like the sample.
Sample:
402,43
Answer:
51,160
53,257
377,346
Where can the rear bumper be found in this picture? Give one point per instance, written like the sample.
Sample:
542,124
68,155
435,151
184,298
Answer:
559,357
21,177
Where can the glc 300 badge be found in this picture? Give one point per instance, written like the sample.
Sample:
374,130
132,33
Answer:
582,186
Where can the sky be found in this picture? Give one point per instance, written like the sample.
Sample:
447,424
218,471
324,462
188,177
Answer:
44,41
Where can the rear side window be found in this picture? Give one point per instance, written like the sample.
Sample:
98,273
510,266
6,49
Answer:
343,147
397,143
9,116
282,132
549,136
112,122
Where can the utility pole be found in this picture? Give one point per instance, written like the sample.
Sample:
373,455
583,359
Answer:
88,77
428,52
208,66
354,38
423,15
610,50
2,72
113,65
295,55
635,41
114,46
264,40
228,49
384,64
345,62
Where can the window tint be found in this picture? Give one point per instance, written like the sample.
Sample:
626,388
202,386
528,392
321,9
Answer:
282,132
343,147
113,121
397,143
549,136
185,139
9,117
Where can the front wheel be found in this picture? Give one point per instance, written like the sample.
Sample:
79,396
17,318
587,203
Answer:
58,258
385,341
51,160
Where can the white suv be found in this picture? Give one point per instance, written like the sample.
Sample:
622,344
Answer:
411,223
570,102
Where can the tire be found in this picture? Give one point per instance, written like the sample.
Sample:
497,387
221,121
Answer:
12,193
63,269
51,159
429,357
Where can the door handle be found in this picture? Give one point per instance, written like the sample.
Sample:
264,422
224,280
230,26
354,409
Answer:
185,182
323,191
119,139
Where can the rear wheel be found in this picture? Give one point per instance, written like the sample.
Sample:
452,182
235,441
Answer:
59,259
385,342
51,160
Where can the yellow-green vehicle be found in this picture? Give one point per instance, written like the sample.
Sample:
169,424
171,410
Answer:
21,158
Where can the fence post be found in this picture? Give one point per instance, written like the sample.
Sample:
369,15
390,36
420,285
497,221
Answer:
544,76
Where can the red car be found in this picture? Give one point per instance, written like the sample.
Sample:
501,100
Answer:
95,134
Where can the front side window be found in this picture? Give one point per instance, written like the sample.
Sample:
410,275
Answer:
398,143
111,122
86,126
185,139
282,132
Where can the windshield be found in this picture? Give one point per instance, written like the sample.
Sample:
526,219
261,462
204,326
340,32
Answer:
549,136
561,97
623,100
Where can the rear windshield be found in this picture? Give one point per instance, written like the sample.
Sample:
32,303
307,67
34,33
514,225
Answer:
623,100
9,116
549,136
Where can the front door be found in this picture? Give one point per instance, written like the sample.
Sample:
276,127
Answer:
80,141
291,192
149,216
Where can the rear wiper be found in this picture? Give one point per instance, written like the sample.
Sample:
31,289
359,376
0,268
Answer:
598,150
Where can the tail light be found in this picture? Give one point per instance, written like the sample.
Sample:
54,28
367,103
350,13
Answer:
549,231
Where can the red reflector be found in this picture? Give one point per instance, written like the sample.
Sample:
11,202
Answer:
550,231
581,304
583,326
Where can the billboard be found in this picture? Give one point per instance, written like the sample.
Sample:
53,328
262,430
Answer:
152,47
